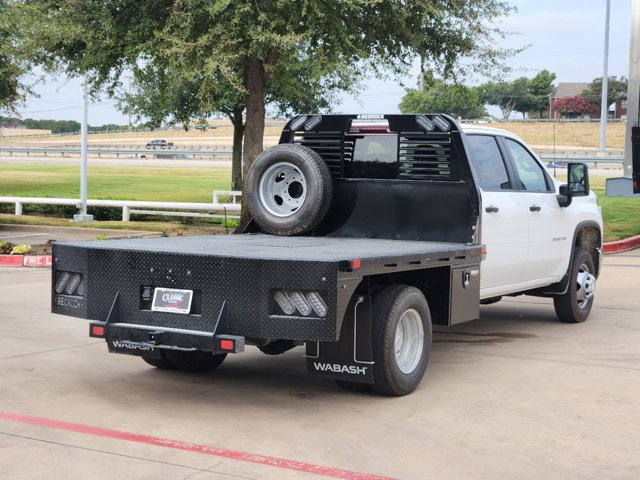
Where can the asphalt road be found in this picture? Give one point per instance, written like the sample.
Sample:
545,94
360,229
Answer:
516,395
122,162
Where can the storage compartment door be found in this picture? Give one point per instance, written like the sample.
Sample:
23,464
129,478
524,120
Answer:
464,301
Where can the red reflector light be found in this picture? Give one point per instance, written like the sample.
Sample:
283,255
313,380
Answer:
226,344
483,249
355,264
97,331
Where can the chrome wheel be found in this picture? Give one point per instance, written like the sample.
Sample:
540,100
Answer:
409,341
282,189
586,285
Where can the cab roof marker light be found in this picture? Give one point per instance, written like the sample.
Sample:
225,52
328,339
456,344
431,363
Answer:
73,283
283,301
300,302
298,122
313,123
441,123
63,278
317,303
425,123
369,126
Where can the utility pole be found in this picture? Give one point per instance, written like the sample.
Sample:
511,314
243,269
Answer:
604,104
83,216
623,187
633,94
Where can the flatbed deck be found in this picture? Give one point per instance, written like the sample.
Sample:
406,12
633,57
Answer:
270,247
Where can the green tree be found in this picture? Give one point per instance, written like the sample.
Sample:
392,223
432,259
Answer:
540,88
508,96
11,68
455,100
249,48
616,90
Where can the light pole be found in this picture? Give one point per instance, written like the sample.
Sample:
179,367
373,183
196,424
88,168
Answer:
83,216
604,105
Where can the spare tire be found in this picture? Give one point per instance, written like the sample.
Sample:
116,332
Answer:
288,189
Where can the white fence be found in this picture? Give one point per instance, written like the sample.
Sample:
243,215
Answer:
215,209
173,152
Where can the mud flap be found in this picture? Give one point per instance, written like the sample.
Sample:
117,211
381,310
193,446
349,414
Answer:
350,358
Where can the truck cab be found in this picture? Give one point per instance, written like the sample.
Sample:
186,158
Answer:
529,232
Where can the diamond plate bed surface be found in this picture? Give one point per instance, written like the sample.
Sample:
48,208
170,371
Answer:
269,247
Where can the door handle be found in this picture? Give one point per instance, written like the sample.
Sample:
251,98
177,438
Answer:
535,208
491,209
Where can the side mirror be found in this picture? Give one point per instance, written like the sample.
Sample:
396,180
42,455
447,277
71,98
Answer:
578,179
577,184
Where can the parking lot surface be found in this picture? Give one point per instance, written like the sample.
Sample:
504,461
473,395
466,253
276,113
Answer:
514,395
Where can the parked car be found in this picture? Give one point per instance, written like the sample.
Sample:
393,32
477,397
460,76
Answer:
159,143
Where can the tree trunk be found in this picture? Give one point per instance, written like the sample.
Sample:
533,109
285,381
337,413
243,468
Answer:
255,83
236,156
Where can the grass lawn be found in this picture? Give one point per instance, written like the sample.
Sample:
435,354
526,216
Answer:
115,183
563,134
621,215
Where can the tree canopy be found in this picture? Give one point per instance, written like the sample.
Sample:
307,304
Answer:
616,90
575,106
504,95
11,68
525,95
231,56
454,99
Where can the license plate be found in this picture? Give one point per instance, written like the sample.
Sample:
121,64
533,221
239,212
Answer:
172,300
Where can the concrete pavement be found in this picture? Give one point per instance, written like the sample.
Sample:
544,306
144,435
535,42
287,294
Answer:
514,395
39,235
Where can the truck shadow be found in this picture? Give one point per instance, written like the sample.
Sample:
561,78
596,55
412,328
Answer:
253,379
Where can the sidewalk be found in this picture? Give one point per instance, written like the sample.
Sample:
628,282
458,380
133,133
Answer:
40,238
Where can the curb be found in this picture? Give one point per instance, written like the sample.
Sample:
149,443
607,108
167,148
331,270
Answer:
621,245
43,261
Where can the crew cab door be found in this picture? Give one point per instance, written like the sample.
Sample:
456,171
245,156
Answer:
549,237
504,217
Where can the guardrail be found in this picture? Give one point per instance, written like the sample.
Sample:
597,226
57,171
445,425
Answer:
132,206
137,153
562,161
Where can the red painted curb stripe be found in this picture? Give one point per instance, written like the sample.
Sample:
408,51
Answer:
11,260
622,245
26,261
190,447
38,261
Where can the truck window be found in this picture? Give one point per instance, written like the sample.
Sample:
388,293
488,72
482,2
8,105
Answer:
532,176
488,163
374,156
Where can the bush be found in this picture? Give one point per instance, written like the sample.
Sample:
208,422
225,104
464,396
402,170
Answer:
20,250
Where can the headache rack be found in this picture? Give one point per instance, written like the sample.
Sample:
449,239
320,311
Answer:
427,146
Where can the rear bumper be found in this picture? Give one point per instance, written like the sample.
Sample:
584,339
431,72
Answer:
148,341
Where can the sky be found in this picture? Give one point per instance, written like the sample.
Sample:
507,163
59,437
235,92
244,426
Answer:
565,37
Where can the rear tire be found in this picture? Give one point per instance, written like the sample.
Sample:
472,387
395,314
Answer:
196,362
401,339
575,304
